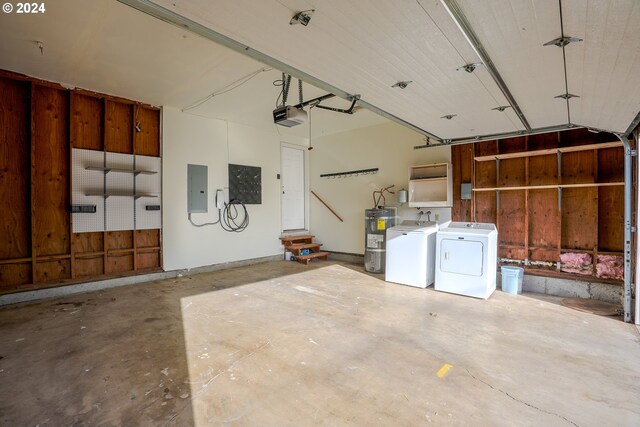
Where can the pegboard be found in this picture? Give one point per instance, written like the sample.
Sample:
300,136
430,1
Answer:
148,184
85,182
120,203
245,184
120,186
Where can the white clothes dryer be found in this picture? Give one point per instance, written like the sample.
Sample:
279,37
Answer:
466,259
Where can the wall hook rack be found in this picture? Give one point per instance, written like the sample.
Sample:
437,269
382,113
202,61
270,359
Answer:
347,174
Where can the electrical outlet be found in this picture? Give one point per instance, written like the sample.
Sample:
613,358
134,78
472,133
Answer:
437,217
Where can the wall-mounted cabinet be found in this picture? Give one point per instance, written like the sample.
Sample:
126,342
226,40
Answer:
430,186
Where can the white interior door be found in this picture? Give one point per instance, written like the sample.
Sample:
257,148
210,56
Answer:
292,178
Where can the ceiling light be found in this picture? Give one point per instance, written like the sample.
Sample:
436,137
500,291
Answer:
501,108
562,41
302,17
449,116
403,84
567,96
469,68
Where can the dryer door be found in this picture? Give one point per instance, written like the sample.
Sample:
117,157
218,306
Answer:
461,256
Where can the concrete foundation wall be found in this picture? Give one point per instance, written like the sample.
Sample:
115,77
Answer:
570,288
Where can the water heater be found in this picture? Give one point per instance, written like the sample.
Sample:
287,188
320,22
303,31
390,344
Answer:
376,223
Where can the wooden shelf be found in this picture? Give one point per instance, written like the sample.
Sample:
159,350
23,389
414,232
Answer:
551,186
105,195
430,186
440,178
120,170
548,151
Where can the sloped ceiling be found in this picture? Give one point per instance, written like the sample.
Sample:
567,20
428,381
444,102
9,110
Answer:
358,47
108,47
364,47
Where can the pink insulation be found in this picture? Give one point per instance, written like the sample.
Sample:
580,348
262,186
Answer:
610,267
576,263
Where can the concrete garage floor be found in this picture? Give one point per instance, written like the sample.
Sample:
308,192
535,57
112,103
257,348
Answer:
282,344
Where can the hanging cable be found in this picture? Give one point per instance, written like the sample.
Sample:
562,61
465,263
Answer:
231,219
206,223
300,91
231,86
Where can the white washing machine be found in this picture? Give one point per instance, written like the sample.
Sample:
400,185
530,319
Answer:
411,253
466,259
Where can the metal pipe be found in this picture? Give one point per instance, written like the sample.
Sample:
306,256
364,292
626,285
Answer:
627,227
492,137
461,21
170,17
637,281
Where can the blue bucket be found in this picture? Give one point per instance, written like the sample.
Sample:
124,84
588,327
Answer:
512,279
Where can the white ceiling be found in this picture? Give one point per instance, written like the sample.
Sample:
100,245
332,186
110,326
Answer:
359,46
364,46
108,47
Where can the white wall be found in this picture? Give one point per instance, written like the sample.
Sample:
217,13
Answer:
388,147
189,139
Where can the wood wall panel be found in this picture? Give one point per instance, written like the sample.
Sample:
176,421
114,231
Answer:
87,242
610,165
52,271
39,123
118,127
511,252
531,223
148,260
541,254
542,141
512,145
86,122
462,171
118,239
15,201
543,170
14,275
579,216
544,219
147,141
611,219
89,267
511,218
120,263
147,238
485,206
579,167
512,172
50,173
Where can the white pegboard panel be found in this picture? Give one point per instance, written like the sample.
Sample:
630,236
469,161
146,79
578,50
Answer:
120,203
87,182
148,184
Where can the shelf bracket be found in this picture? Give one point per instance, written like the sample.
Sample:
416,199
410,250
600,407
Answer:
560,199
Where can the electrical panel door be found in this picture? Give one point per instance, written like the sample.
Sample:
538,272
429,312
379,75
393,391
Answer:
197,188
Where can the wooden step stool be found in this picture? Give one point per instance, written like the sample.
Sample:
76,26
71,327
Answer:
295,244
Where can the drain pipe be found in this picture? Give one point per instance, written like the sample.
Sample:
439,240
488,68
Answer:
628,153
637,297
